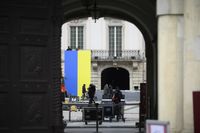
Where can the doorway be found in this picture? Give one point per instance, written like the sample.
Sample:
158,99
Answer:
116,77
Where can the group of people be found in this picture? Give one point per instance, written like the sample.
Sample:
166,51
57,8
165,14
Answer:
91,92
108,93
116,96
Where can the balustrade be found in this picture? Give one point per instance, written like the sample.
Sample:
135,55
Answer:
119,55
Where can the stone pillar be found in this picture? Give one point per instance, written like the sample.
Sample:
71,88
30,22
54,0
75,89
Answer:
170,61
191,59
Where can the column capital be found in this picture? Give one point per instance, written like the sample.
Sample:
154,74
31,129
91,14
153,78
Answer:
169,7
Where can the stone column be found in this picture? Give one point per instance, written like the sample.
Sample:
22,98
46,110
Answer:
191,59
170,61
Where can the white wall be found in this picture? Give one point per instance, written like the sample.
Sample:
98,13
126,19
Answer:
133,37
96,38
64,36
96,35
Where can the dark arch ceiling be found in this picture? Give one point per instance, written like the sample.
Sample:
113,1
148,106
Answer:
142,13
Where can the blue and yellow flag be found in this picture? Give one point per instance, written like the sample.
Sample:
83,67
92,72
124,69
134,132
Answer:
77,70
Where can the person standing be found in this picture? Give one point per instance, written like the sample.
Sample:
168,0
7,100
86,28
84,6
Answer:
110,92
91,93
63,90
105,89
83,91
117,96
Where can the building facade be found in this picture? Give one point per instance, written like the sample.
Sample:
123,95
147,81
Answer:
118,50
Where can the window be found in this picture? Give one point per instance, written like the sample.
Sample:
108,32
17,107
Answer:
76,37
115,41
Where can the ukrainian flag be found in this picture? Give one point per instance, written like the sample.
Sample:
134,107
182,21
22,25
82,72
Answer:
77,71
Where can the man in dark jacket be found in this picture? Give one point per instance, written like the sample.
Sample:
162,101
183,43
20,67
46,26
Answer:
117,96
91,93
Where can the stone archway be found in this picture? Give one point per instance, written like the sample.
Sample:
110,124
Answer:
141,13
30,52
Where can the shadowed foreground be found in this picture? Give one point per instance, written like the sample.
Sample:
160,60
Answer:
102,130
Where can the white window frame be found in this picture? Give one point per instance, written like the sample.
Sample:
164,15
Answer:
112,22
76,24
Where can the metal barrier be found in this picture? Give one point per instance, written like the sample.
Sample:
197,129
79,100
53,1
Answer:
104,105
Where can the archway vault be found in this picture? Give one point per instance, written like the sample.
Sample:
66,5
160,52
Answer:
141,13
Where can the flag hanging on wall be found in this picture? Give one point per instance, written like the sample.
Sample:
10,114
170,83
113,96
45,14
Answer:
77,71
